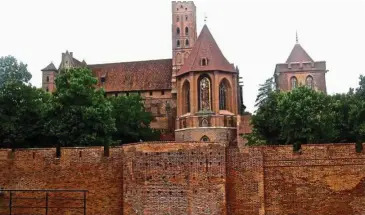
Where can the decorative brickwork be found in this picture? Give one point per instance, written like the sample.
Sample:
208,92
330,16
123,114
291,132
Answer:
195,178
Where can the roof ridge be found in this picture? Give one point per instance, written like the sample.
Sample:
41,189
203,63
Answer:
130,61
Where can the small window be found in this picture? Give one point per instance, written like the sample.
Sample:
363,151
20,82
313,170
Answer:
102,80
187,43
151,93
178,31
181,6
47,79
309,81
116,94
186,31
293,82
186,18
204,139
47,89
177,18
204,62
162,92
178,43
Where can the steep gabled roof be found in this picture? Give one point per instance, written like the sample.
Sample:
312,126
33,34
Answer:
50,67
134,76
298,54
206,48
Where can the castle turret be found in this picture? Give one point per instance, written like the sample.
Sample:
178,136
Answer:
49,74
300,70
207,94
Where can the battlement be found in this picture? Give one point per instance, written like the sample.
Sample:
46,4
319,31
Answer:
301,66
175,177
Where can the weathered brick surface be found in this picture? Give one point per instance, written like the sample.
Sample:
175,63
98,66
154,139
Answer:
174,178
83,168
193,178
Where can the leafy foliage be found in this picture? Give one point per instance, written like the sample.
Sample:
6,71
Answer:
131,119
80,114
264,91
13,71
306,116
21,115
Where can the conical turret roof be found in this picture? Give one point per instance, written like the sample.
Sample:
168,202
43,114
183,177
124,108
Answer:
298,54
50,67
206,49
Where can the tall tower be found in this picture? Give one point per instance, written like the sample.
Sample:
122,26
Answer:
183,35
49,74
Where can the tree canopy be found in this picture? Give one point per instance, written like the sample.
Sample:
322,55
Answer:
307,116
12,70
80,113
131,120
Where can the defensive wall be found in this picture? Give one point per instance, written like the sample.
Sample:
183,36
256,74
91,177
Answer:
196,178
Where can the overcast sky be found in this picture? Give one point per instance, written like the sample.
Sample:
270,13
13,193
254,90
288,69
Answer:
255,35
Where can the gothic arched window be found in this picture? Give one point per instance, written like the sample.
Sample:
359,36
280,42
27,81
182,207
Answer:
187,43
186,31
186,97
178,43
47,79
309,82
178,31
222,96
178,58
177,18
293,82
205,93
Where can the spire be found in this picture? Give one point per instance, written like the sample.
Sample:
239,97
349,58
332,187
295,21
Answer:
296,37
298,54
206,56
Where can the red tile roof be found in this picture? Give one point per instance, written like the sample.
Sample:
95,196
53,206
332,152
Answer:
134,76
206,47
298,54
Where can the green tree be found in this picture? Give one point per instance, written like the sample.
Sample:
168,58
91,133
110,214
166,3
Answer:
22,115
12,70
131,119
299,116
80,113
264,91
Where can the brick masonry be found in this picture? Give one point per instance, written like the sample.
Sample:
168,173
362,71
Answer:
196,178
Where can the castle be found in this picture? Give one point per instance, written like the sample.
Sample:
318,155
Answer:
196,95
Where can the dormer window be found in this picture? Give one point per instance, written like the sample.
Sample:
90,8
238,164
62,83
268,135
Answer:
204,61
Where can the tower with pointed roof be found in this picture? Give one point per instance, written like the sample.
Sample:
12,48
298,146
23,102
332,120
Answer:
49,74
206,94
300,70
183,35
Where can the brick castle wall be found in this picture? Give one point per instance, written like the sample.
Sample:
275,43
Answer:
196,178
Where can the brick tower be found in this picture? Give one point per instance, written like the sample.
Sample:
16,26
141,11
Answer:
183,35
300,70
49,74
206,94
